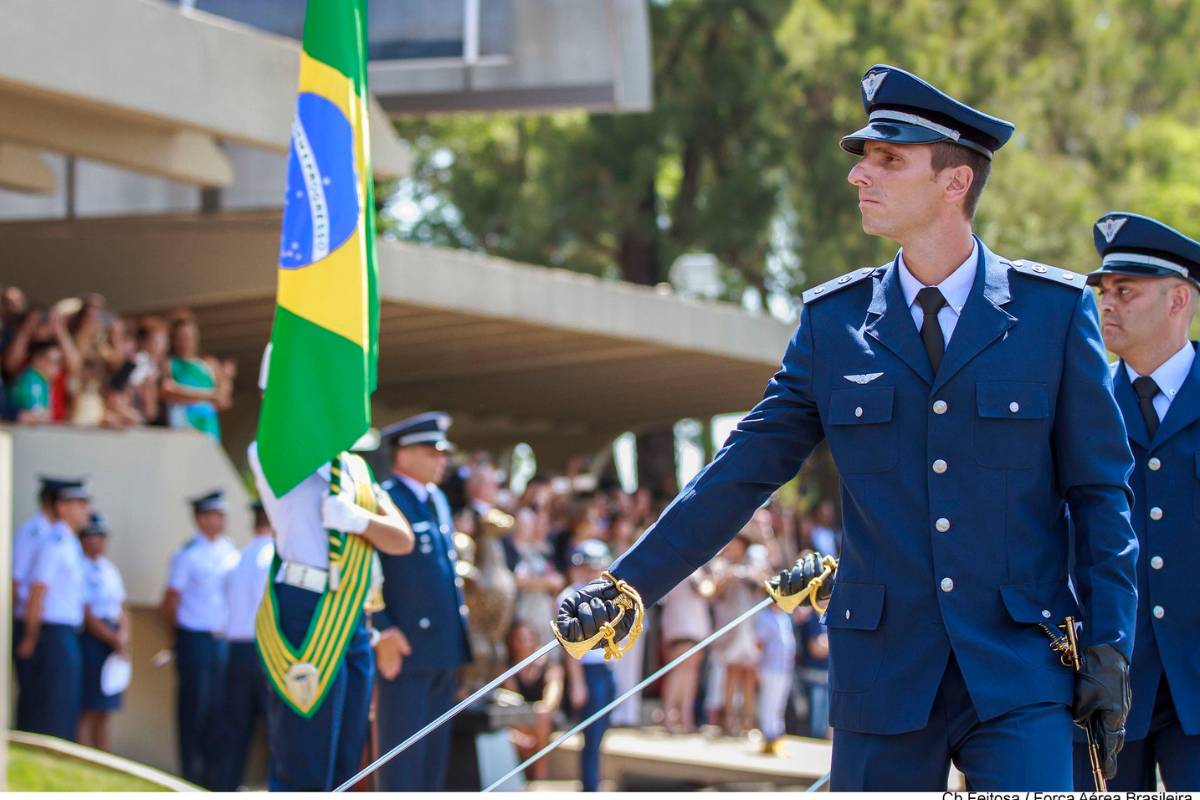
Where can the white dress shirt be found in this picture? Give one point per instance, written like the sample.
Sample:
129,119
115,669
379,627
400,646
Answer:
198,572
1169,376
418,488
955,288
244,587
105,591
58,565
296,517
25,545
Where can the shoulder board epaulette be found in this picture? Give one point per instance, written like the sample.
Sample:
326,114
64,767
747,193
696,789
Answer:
1063,277
829,287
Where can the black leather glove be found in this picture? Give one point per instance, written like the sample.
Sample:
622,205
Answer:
582,613
1102,698
795,578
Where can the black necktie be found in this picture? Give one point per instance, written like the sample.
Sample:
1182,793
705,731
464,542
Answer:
931,301
1145,389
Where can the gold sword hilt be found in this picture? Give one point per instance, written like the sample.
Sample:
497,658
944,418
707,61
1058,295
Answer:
791,602
1066,645
628,602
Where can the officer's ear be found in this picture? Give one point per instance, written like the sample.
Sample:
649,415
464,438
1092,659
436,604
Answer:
957,181
1184,297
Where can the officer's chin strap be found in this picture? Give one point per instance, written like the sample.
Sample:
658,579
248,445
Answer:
628,602
788,603
791,602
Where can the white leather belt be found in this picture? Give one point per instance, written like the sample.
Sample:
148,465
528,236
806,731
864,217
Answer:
302,576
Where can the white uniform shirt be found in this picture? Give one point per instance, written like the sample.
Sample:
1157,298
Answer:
198,573
105,591
1169,376
58,565
25,544
244,586
956,288
296,517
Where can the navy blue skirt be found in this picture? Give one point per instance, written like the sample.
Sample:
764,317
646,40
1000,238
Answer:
94,654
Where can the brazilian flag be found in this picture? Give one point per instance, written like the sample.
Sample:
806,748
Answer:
324,342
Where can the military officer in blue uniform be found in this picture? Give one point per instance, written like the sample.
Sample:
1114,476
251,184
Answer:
54,618
423,625
28,536
193,607
1149,282
968,407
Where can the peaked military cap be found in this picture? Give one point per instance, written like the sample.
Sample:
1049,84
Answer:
904,109
1130,244
97,526
428,428
69,489
592,552
213,501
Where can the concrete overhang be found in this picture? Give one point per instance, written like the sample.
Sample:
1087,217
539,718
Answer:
145,86
517,352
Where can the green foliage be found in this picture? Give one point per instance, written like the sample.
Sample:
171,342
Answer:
739,156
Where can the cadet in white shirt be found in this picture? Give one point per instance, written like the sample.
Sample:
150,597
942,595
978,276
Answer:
25,541
105,631
194,608
53,617
244,694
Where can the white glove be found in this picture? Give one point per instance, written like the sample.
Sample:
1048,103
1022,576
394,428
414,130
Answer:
340,513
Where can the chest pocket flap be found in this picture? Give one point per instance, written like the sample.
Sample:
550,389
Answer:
1012,400
865,406
855,606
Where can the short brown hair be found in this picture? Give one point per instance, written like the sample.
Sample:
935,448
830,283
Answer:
948,154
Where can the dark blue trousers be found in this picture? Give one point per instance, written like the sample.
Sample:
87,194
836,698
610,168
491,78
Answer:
243,702
1027,749
602,690
1166,747
200,661
53,683
319,753
21,671
405,705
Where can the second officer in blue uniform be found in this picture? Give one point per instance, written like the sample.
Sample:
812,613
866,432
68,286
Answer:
968,407
423,626
1149,283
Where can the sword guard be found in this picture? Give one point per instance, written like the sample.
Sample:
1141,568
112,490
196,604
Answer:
791,602
628,602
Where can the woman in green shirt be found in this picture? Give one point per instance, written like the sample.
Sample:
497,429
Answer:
195,388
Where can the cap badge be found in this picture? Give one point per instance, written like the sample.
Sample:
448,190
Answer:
1109,227
871,82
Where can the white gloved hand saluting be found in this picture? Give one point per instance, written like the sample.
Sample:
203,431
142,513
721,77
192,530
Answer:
340,513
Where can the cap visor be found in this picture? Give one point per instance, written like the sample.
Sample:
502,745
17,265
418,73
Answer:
895,132
1134,270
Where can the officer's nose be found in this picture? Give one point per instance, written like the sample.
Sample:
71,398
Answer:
858,175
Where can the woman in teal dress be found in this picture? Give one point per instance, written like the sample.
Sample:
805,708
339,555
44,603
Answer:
195,387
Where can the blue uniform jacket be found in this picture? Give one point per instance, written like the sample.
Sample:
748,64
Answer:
1166,477
964,556
420,590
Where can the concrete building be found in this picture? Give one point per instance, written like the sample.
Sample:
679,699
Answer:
142,155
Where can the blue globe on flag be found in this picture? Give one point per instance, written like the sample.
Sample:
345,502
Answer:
321,209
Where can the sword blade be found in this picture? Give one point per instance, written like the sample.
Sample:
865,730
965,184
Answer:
447,716
663,670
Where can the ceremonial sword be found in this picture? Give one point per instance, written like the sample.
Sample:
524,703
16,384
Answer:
789,604
628,602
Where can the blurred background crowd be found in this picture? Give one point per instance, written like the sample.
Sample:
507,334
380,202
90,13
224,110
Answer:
75,361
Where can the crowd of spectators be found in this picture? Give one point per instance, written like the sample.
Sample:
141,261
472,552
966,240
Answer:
76,362
767,677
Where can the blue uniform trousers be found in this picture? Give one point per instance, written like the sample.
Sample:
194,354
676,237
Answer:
1166,747
200,664
243,702
21,671
1026,749
53,683
319,753
602,689
405,705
